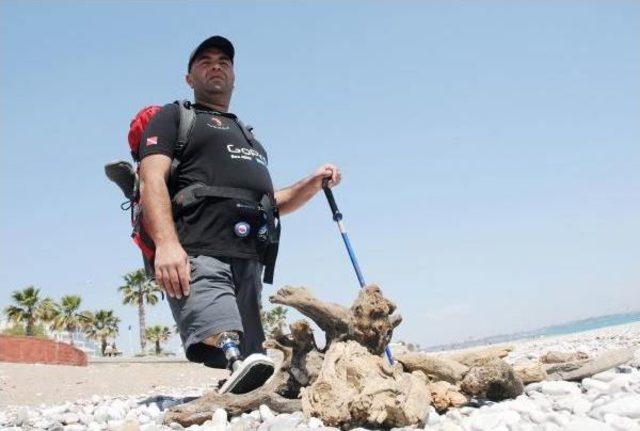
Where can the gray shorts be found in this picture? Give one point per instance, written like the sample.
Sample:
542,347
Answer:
225,296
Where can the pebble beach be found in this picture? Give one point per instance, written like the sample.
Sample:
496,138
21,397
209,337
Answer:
609,400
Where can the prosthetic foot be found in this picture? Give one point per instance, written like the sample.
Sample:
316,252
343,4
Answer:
246,374
250,374
122,173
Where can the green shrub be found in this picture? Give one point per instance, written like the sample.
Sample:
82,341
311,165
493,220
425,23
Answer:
18,330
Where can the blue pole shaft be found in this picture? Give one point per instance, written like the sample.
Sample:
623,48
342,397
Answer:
352,254
356,266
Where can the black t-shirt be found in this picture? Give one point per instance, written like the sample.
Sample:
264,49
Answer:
217,154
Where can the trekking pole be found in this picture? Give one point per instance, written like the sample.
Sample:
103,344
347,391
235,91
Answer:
337,217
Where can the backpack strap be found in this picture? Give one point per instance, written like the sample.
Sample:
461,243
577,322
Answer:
246,131
186,124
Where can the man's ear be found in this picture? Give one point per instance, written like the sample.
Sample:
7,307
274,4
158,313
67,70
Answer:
187,78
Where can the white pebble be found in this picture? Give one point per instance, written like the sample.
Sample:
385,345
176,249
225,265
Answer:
219,417
595,385
131,415
605,376
116,413
621,383
101,414
586,424
113,425
483,422
620,423
153,410
559,388
315,423
523,405
56,410
628,406
266,413
70,418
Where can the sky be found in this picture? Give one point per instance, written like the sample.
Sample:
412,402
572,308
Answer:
490,150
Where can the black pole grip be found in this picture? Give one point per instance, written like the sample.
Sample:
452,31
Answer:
337,215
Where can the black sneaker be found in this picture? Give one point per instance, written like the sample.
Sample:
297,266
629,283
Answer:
122,173
253,372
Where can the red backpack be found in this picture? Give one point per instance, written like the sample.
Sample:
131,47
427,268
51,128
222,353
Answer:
126,177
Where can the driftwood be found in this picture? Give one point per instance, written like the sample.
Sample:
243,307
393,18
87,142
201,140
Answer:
445,395
348,383
198,411
530,372
555,357
355,388
314,379
472,357
434,367
570,366
587,368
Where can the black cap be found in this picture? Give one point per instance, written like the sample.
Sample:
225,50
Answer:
222,43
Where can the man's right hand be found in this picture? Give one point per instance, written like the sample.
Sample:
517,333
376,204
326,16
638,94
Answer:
173,270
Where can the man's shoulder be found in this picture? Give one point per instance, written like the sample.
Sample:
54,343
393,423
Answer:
168,114
170,108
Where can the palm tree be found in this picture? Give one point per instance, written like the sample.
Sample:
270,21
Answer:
159,334
100,326
139,288
68,318
28,302
48,311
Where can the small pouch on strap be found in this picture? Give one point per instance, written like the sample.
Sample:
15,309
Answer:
270,252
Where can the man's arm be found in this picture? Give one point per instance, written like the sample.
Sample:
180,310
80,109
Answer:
293,197
171,261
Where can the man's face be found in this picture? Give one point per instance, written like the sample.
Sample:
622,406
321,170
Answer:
212,73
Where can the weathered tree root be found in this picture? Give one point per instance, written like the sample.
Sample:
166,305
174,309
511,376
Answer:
356,388
369,323
198,411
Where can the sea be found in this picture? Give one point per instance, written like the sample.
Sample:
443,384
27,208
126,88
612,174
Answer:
547,331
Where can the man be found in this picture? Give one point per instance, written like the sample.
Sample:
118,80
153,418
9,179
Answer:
208,253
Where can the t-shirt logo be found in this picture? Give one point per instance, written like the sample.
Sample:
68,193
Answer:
246,154
153,140
217,123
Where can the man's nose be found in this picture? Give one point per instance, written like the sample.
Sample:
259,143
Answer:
217,66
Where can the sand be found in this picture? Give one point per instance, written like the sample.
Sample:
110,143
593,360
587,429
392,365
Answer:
35,384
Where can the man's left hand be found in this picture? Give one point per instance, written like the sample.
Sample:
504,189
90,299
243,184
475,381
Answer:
328,171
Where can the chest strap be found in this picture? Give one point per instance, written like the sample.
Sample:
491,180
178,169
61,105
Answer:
196,192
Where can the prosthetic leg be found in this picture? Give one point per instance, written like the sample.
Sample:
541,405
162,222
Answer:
246,374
